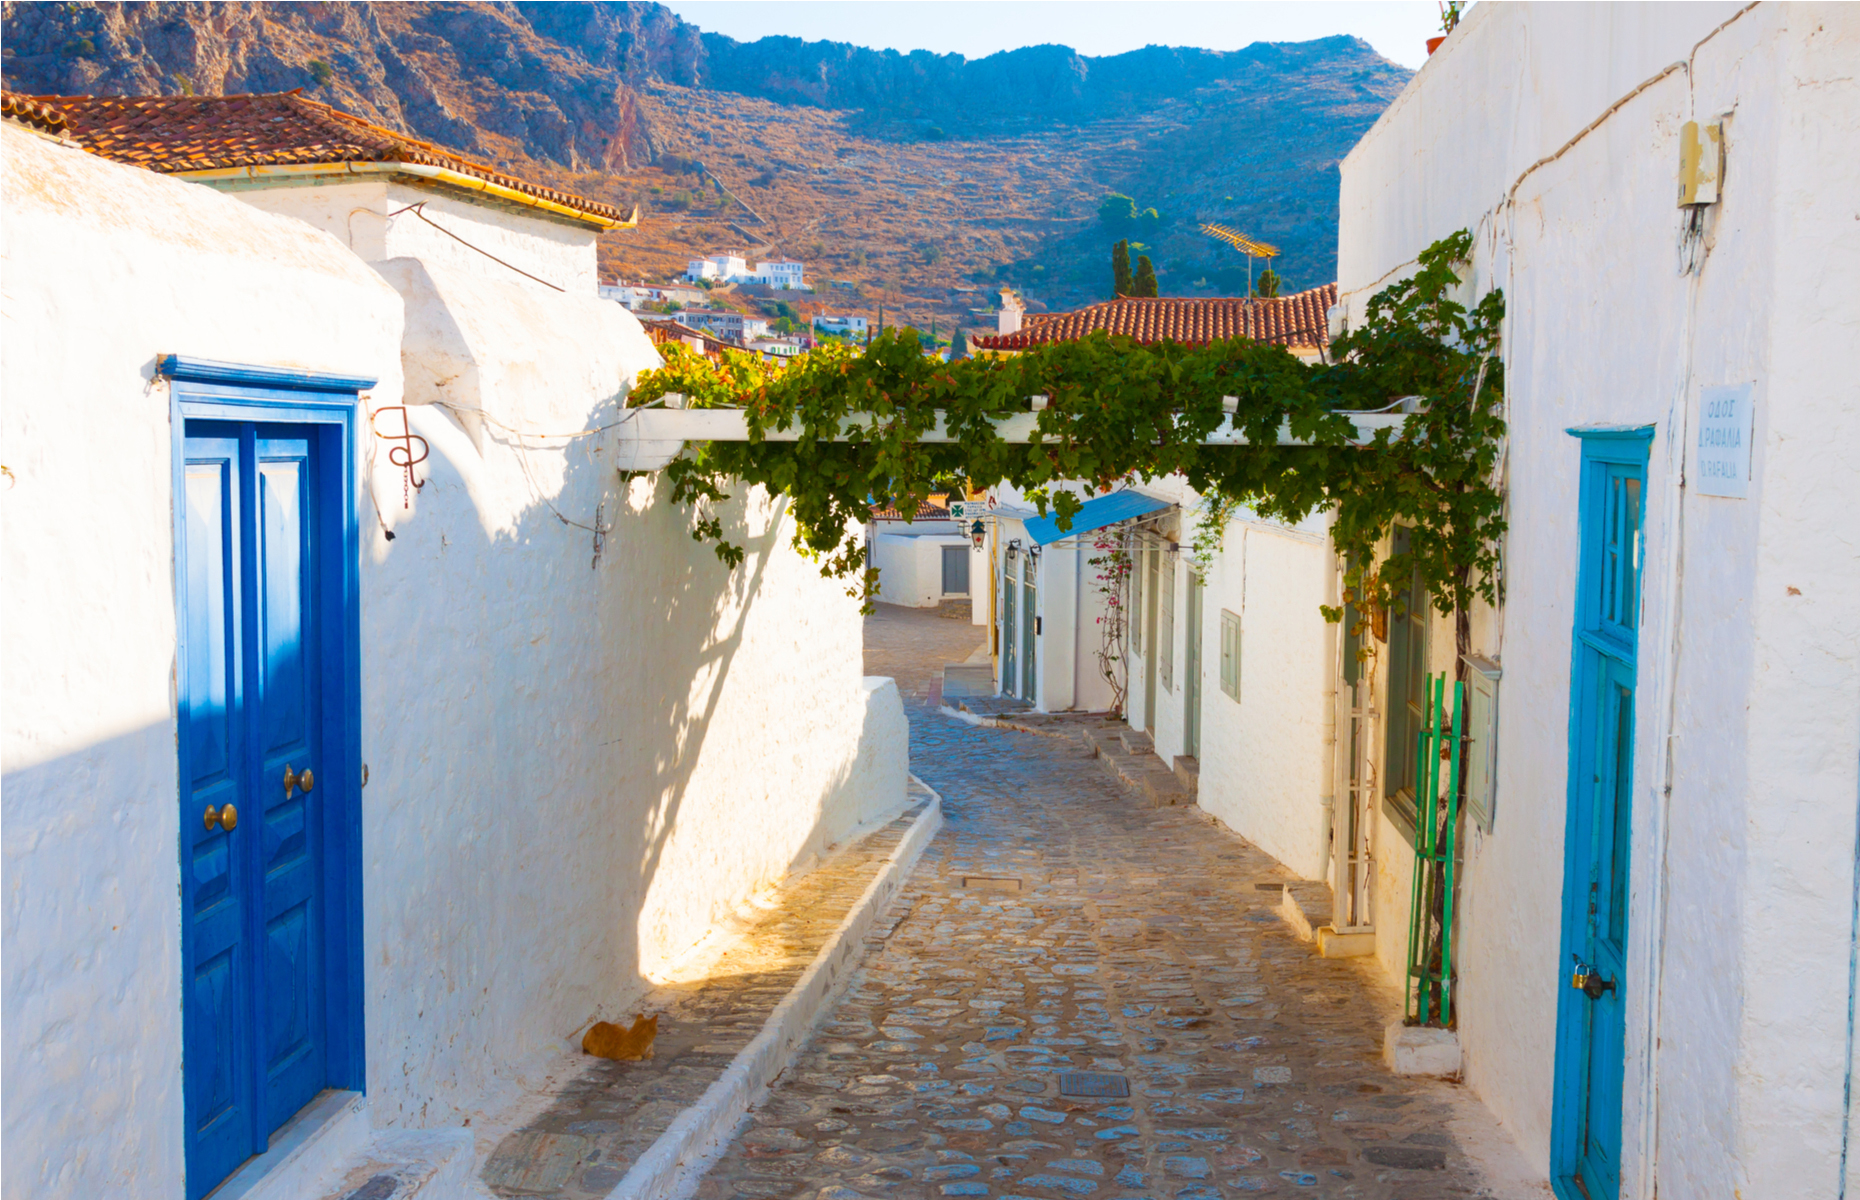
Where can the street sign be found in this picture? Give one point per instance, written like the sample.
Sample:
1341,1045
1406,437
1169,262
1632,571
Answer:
1725,424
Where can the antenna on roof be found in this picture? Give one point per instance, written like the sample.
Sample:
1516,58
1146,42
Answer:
1245,245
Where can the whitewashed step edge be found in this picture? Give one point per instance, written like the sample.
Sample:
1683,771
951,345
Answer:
674,1165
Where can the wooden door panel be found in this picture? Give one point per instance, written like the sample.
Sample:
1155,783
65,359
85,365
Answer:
219,1091
291,1009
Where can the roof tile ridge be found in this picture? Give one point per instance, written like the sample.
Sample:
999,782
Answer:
329,119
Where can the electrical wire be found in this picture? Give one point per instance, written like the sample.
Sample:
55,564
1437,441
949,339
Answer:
601,529
418,211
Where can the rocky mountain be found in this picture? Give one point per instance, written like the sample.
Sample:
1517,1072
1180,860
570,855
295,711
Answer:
916,181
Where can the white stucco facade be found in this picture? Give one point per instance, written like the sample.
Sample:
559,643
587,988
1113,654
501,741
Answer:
380,219
572,767
910,566
1552,132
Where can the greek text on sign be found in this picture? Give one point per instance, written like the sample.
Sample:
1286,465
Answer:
1726,414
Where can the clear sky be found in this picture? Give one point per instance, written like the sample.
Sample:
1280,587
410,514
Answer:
1398,29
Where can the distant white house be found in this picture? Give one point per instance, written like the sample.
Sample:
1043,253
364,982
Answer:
849,326
783,274
724,268
635,296
732,326
776,347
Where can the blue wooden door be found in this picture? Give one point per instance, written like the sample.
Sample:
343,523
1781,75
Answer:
1029,626
254,1003
1591,1019
1010,627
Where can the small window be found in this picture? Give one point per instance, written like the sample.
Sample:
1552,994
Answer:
1230,654
1165,624
955,570
1480,751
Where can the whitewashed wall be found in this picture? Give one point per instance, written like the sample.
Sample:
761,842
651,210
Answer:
910,567
374,218
1744,846
1265,760
573,767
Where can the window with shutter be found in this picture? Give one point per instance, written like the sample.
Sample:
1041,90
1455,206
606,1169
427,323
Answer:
1165,624
1230,654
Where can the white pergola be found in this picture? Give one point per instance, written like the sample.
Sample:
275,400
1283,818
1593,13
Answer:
649,438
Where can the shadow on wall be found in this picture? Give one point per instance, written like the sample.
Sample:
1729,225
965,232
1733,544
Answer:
590,757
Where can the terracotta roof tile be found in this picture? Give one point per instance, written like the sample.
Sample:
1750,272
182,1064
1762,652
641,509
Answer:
1300,320
32,113
928,511
661,332
179,134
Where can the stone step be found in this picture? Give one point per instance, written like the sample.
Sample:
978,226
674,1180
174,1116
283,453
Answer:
1136,741
1305,904
430,1164
1188,770
1164,790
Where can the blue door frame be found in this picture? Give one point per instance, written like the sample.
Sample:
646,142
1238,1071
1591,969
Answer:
1585,1140
302,420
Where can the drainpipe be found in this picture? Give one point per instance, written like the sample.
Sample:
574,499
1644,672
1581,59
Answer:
1327,750
1853,979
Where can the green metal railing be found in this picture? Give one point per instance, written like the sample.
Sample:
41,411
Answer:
1436,845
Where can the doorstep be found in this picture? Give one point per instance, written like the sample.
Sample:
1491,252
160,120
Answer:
304,1149
1353,944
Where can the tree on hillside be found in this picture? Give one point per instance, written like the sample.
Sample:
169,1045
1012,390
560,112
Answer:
1116,210
1268,284
1145,282
1120,269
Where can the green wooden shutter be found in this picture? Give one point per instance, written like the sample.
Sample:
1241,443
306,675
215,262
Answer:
1230,654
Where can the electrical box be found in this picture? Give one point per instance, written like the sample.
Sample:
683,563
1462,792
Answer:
1701,162
1481,745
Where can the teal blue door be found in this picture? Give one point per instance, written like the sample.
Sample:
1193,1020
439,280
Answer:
254,1005
1592,975
1010,627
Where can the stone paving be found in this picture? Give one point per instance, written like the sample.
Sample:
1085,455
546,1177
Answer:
1058,946
586,1131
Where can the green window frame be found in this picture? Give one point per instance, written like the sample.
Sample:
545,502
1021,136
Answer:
1407,696
1165,622
1230,653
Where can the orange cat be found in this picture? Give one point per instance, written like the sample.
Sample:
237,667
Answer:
607,1040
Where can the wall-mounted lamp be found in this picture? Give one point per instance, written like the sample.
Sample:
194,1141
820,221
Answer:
1013,549
1033,552
977,533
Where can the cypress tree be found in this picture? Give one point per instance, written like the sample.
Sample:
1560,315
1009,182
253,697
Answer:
1145,283
1268,285
1120,268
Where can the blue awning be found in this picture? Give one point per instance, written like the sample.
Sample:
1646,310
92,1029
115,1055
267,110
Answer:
1094,514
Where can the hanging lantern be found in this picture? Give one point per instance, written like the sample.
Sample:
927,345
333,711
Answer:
977,533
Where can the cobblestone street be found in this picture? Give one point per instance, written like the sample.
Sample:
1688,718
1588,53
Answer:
1077,996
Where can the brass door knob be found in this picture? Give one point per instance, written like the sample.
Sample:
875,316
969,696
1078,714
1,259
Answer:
297,780
225,818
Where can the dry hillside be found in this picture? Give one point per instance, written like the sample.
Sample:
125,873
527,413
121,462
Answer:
920,182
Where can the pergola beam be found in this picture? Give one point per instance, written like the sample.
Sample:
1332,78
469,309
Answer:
652,437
